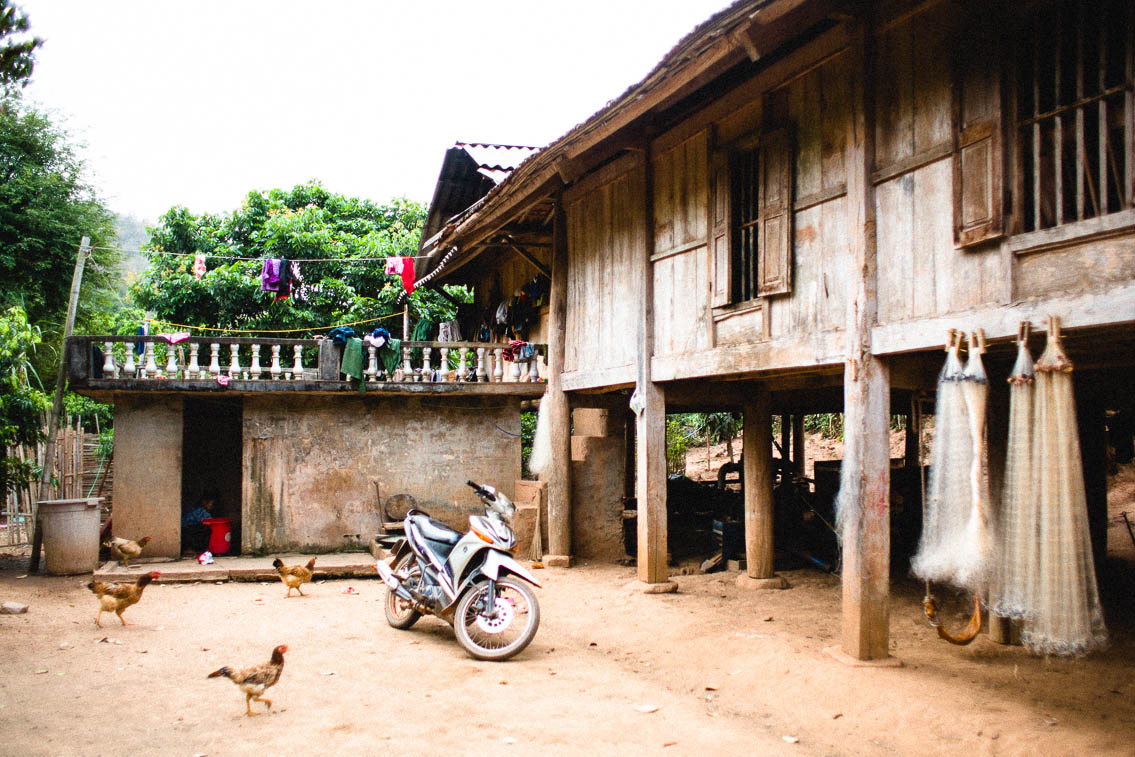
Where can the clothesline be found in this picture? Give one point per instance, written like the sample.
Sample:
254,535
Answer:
238,257
272,331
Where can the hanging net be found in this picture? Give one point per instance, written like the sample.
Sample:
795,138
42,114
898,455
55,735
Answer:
540,459
1015,586
953,547
1065,616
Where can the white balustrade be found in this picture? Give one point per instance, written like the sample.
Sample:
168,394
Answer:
151,369
371,372
426,369
215,360
516,367
108,367
194,369
274,369
171,362
254,369
461,353
234,361
443,372
407,369
534,367
498,368
129,367
297,362
482,375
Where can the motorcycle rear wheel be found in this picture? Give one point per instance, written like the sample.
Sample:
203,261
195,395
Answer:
400,613
508,631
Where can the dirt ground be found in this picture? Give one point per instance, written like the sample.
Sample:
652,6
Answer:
713,665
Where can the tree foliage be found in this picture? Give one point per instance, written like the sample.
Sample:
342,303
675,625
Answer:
46,207
17,56
21,406
305,223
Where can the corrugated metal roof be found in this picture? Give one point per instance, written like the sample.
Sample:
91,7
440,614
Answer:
496,161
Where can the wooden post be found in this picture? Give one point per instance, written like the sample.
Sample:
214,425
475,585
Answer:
559,415
650,426
757,456
57,402
865,475
798,443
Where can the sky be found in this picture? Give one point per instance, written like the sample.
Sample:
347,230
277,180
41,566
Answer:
197,103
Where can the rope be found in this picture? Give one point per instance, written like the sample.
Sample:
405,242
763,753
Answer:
238,257
273,331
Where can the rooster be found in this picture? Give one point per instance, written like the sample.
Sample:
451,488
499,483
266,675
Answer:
256,680
294,576
117,597
125,549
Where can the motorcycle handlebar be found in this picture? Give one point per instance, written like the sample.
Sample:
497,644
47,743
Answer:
479,489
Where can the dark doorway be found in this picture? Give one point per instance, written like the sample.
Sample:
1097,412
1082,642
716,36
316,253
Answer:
211,452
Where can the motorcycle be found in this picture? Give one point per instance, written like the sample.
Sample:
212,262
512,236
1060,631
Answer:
471,581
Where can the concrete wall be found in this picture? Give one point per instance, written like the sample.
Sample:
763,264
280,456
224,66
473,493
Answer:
310,462
147,472
598,469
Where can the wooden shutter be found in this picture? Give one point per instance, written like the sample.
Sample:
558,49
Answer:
978,155
774,255
720,228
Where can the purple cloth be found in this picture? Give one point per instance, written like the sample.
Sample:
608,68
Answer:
270,275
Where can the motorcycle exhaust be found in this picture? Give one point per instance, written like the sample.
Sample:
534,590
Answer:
391,580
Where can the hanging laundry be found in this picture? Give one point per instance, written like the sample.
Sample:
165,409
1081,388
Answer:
284,284
449,331
270,275
393,267
174,338
143,330
199,266
403,267
352,362
377,338
340,335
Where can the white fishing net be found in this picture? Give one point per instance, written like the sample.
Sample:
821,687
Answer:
540,459
1016,576
954,546
1065,616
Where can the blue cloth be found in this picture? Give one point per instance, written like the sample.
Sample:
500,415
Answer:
340,335
195,516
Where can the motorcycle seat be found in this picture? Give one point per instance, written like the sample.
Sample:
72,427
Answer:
435,530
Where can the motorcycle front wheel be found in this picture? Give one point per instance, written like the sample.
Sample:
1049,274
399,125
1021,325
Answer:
400,613
505,631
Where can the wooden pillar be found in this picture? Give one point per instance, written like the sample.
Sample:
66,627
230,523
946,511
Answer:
757,456
559,414
650,466
865,475
798,443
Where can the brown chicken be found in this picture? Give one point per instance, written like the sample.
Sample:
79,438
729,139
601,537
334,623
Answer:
294,576
256,680
126,550
116,597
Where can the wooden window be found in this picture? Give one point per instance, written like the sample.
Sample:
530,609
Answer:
1073,108
751,220
978,156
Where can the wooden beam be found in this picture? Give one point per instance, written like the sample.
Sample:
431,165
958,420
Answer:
559,413
756,443
529,257
864,498
650,473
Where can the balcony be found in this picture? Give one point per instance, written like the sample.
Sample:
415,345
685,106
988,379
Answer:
101,366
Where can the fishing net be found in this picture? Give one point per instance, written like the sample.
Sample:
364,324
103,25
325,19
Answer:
1016,576
1066,617
540,459
954,544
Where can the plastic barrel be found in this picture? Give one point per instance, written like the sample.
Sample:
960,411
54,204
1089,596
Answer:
220,535
70,535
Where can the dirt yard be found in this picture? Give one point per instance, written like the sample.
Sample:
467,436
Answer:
612,671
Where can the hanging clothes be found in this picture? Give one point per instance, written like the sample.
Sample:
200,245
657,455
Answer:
340,334
1067,617
199,269
270,275
449,331
352,362
284,284
403,267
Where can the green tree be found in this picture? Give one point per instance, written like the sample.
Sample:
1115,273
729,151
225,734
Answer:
17,56
21,406
46,207
307,223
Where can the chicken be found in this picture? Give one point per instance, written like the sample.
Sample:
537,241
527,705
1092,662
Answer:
126,550
256,680
116,597
294,576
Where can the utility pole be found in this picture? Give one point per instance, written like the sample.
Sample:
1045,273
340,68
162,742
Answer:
57,403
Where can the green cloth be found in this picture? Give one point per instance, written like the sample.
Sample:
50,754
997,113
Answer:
352,363
391,355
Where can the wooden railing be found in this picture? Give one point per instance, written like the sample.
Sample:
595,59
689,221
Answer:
251,359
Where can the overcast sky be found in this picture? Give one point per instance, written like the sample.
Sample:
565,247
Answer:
196,103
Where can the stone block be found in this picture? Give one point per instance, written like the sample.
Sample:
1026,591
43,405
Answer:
531,493
581,447
558,561
13,608
524,526
589,421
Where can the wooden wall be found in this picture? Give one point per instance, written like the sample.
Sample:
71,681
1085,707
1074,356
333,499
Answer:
605,230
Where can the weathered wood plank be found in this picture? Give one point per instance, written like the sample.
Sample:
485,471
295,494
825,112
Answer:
757,458
559,415
833,85
898,255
